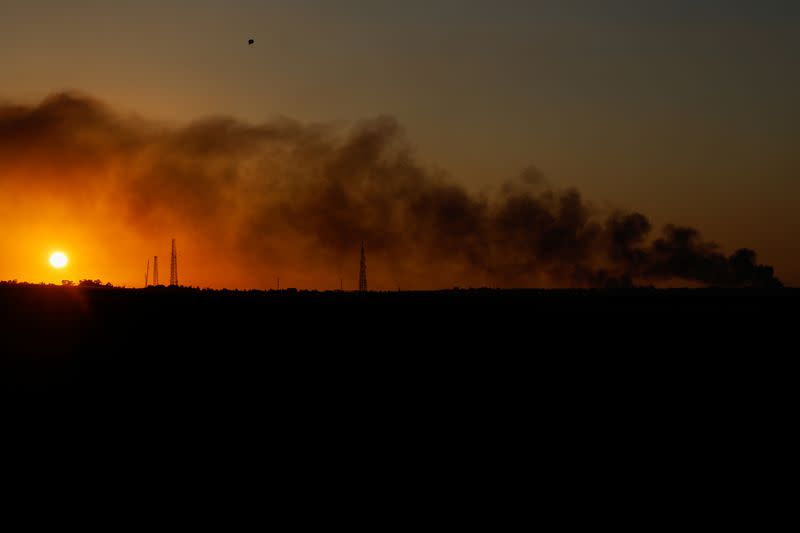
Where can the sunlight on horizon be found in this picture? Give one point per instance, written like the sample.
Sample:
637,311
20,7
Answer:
58,260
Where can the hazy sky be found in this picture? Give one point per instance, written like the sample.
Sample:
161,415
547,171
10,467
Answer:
686,110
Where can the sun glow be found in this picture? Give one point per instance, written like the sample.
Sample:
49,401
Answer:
58,260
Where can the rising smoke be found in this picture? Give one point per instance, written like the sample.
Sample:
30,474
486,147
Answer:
285,193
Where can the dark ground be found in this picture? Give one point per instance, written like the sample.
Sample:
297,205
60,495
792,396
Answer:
165,341
481,407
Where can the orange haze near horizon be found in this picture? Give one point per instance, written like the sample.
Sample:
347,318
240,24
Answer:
685,111
249,203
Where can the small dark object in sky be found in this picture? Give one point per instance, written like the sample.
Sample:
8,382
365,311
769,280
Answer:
251,41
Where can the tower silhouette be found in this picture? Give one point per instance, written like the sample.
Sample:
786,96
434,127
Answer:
155,271
147,274
362,277
173,266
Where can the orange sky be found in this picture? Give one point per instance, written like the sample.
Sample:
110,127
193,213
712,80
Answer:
684,111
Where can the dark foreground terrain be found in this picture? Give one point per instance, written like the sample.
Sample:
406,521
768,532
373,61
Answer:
487,407
139,343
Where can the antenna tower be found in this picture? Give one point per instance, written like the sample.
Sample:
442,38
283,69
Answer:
362,277
155,271
147,274
173,266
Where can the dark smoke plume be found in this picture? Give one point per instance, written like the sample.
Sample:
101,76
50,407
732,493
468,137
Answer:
283,193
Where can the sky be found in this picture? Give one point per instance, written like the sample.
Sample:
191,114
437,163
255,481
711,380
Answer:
686,111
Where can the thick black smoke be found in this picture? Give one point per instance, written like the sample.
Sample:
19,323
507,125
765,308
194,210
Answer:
285,192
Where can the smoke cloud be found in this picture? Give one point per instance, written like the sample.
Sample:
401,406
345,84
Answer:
286,197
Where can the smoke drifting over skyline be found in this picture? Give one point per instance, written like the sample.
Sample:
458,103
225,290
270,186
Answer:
289,197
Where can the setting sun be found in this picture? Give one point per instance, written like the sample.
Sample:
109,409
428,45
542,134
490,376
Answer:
58,260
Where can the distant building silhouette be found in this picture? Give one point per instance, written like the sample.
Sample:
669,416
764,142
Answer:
155,271
173,266
362,278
